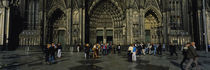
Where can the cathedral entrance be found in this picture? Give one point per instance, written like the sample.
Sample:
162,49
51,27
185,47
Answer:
56,28
104,36
153,28
105,22
100,37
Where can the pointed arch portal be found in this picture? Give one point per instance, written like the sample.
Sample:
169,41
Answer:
153,26
55,26
103,18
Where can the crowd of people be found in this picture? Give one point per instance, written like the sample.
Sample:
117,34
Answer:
134,50
51,50
104,49
189,52
143,49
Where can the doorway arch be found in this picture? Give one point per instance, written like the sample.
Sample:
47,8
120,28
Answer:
55,27
153,25
105,17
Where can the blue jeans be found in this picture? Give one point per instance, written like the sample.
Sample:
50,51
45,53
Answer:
104,51
154,51
51,59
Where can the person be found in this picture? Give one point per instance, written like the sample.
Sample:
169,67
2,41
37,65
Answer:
110,48
134,53
78,48
95,55
173,49
208,47
47,53
193,56
59,50
159,49
97,49
143,48
130,52
155,49
52,53
164,47
139,48
118,48
104,46
149,48
87,51
184,52
114,48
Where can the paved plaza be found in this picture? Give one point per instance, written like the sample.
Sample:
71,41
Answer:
19,60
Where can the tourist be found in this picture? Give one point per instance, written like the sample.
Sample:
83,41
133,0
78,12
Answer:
52,53
59,50
193,56
78,48
139,48
130,52
104,46
184,52
173,49
149,48
164,47
134,53
95,51
118,48
143,48
114,48
87,51
47,53
155,48
159,48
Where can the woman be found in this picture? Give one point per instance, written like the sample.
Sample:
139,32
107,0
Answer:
95,51
134,53
59,50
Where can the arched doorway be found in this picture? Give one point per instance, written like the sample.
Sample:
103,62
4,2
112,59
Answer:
56,27
153,27
105,22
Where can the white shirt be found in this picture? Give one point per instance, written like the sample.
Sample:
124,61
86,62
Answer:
130,49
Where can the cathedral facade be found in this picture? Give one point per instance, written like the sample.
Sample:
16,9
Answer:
119,22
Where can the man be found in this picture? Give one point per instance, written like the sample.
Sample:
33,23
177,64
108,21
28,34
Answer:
173,49
160,49
52,53
193,56
184,52
87,51
118,49
143,48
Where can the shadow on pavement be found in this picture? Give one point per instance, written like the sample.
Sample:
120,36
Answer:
86,67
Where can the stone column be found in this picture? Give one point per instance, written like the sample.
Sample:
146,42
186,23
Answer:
1,26
142,36
208,26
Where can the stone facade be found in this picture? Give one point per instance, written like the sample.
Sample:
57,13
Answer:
124,22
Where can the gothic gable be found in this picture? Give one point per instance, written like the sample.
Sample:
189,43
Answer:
151,3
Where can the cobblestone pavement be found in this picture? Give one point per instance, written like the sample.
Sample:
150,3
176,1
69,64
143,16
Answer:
19,60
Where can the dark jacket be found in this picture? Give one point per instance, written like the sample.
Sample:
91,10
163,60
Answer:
52,50
191,52
59,47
